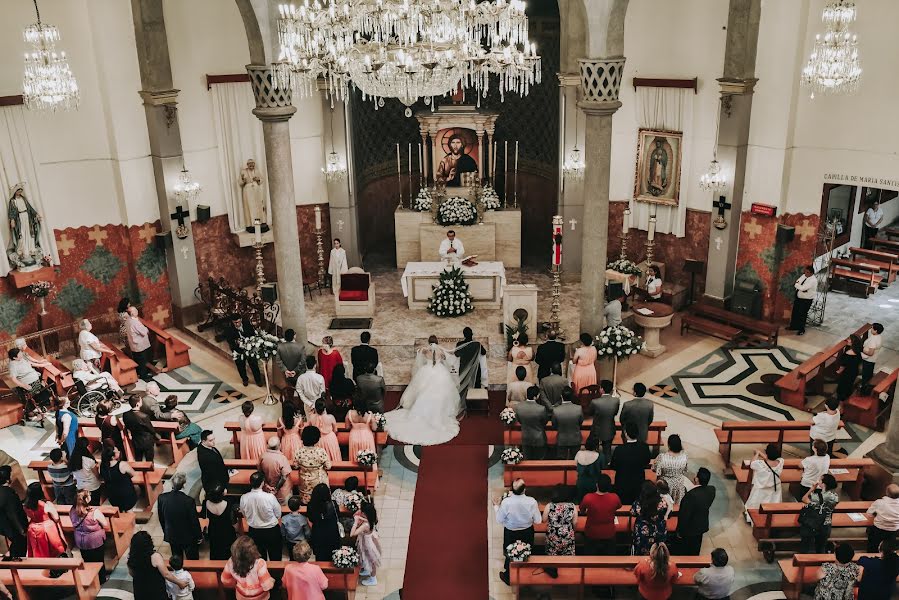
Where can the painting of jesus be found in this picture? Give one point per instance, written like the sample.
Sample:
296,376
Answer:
657,179
459,166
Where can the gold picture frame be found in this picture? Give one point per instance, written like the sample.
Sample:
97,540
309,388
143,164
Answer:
658,169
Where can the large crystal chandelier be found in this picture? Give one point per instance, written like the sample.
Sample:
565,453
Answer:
833,67
334,170
574,166
48,83
713,180
405,49
186,189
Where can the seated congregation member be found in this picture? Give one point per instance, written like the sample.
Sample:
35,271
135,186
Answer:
327,426
639,411
656,575
823,498
312,462
342,392
275,467
878,580
560,517
650,527
766,485
604,410
24,376
63,481
517,513
117,475
551,387
294,525
599,507
93,379
247,571
838,578
289,426
671,466
213,472
693,519
520,355
825,425
629,461
263,514
886,518
89,524
304,580
310,386
549,353
84,468
567,418
44,530
179,521
323,513
368,544
361,425
222,515
813,467
147,569
517,391
189,431
583,363
143,435
363,354
371,389
532,416
589,464
252,438
715,582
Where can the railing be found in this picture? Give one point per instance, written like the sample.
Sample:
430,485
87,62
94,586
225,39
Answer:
222,300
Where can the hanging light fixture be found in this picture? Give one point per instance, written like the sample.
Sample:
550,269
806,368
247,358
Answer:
187,190
48,84
834,67
574,166
713,180
334,168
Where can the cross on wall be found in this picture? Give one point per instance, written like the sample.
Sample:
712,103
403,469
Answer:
180,215
147,233
65,245
722,205
97,235
752,228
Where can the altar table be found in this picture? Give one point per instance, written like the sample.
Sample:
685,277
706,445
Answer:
485,283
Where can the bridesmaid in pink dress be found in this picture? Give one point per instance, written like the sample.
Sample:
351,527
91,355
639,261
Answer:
360,424
328,358
289,427
327,424
584,373
252,438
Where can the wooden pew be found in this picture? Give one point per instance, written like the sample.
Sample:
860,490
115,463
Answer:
884,261
512,434
791,389
624,522
708,326
802,570
549,473
29,577
337,475
168,346
891,232
866,275
783,517
867,409
343,435
888,245
208,581
583,571
792,473
120,530
166,429
760,433
762,330
122,368
57,373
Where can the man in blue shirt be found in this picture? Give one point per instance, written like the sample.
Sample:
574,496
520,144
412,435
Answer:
517,513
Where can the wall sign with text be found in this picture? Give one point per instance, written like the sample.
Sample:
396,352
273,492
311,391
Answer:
848,179
763,210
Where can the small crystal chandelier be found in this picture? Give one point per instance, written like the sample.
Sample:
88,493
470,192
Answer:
833,67
574,166
334,169
714,180
187,190
48,83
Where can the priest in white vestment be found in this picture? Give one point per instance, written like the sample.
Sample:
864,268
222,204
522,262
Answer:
451,248
337,265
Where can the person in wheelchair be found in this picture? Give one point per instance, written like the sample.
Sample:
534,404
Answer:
92,379
27,380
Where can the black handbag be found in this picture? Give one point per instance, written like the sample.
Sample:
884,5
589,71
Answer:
811,517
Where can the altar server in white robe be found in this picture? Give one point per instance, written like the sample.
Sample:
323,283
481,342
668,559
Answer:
451,248
337,265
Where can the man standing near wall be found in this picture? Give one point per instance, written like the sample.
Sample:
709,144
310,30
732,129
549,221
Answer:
806,286
873,221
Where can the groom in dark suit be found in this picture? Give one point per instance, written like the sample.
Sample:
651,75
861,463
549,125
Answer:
363,354
470,354
549,353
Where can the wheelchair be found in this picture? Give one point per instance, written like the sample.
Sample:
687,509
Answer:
38,401
84,401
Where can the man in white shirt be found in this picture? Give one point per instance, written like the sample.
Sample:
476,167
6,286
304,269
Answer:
263,513
873,221
138,343
613,312
870,350
310,387
451,248
806,287
517,513
886,518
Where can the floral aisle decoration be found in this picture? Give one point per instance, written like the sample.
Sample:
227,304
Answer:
379,420
625,266
617,343
512,455
366,458
490,198
423,201
353,500
260,346
508,416
39,290
345,557
457,211
518,551
450,297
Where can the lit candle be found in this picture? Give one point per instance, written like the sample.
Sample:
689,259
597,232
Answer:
505,168
410,161
516,157
421,162
625,223
493,168
651,234
318,218
257,229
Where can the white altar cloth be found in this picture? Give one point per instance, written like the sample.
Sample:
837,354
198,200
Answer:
486,281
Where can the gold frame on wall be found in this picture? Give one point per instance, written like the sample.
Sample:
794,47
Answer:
669,194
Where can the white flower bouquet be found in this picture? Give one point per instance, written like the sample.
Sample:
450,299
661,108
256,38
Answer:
625,266
380,421
508,416
618,342
457,211
423,201
366,458
450,297
259,346
41,289
512,456
518,551
353,500
345,557
490,198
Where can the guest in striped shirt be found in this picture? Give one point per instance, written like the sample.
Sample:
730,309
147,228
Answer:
63,480
247,571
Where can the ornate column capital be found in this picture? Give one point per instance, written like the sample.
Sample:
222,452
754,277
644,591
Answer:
601,78
569,79
599,109
272,103
159,97
730,86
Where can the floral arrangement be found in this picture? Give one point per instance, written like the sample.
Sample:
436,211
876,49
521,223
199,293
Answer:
423,201
353,500
512,456
623,265
345,557
41,289
457,211
618,342
450,297
508,416
513,332
518,551
490,198
366,458
380,421
260,346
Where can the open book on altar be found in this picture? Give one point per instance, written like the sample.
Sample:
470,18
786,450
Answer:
469,261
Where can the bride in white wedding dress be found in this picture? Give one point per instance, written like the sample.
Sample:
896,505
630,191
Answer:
430,405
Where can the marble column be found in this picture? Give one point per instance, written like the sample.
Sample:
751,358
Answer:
341,193
274,109
571,191
887,453
600,84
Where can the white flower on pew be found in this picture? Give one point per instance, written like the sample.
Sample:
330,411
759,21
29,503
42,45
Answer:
512,456
345,557
353,500
366,458
380,421
518,551
508,416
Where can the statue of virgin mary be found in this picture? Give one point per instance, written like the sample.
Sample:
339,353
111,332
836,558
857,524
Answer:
24,249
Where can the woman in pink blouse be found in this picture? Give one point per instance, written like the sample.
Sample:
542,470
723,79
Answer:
584,373
302,579
252,439
327,425
247,572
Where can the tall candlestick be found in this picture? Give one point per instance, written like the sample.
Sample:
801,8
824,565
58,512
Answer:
493,167
318,218
505,171
399,180
626,222
410,174
421,165
651,234
257,229
516,174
